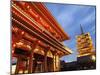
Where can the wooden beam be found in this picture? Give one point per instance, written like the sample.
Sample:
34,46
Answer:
59,45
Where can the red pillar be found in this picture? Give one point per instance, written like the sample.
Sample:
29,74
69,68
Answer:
30,63
17,65
45,62
30,69
54,60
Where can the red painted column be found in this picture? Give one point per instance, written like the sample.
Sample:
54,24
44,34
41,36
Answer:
54,60
17,65
45,61
30,69
30,63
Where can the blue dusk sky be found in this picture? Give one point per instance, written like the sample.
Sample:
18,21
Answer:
70,17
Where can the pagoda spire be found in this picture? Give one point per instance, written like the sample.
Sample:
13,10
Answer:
81,29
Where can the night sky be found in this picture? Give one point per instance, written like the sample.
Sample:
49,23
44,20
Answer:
70,17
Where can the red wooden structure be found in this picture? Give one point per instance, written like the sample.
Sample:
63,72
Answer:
36,38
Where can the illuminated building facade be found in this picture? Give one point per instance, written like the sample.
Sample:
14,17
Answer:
84,44
86,58
36,38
